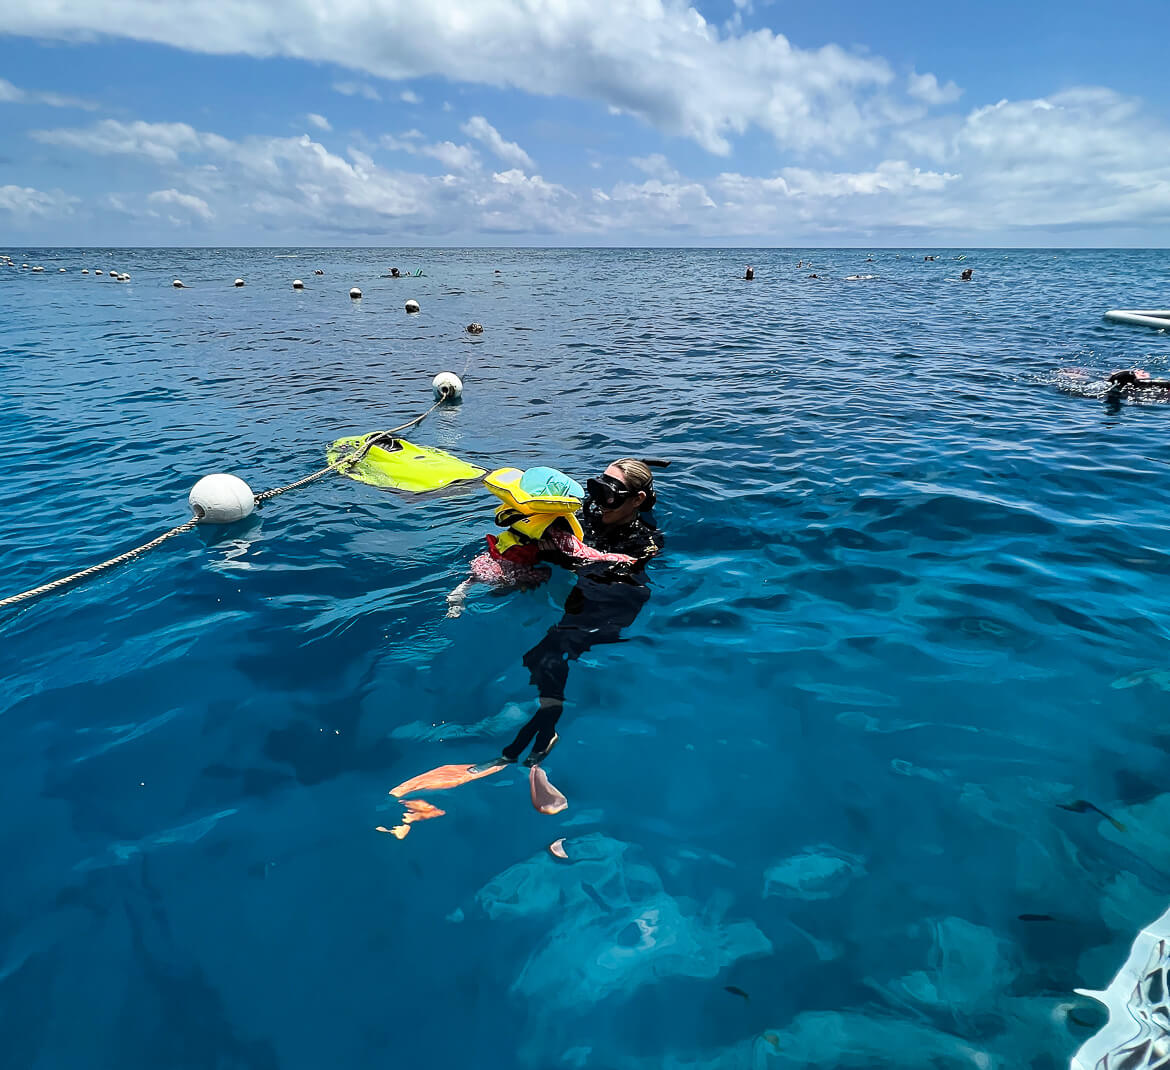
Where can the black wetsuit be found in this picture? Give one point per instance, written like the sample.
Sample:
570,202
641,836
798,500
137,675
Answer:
606,599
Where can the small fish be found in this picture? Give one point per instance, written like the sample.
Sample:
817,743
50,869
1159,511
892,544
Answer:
773,1039
557,847
593,894
1080,806
1035,917
735,991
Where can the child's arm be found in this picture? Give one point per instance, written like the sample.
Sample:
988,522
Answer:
566,543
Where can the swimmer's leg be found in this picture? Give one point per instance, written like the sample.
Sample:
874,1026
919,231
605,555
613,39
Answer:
542,727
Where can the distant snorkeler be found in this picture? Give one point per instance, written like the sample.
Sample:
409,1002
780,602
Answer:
749,273
1137,379
1125,383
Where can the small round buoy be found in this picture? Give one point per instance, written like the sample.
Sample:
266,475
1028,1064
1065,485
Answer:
221,499
412,306
85,271
38,269
238,282
177,284
124,277
60,271
475,328
98,272
355,293
298,285
447,385
318,272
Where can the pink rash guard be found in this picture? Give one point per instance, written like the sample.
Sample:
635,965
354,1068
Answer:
519,564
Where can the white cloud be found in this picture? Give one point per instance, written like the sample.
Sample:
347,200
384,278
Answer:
660,61
408,96
453,157
890,176
160,142
11,94
656,165
507,151
24,201
185,201
994,172
319,121
925,87
357,89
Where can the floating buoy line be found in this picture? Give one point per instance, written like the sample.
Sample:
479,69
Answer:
226,499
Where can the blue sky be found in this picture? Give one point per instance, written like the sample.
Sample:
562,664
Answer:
738,122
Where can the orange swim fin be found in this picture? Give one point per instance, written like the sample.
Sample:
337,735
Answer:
442,778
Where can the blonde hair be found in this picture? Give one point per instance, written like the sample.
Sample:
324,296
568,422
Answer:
637,477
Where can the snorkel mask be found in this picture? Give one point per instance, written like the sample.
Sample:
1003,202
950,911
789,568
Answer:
608,493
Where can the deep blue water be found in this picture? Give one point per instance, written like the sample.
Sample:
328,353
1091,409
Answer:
914,602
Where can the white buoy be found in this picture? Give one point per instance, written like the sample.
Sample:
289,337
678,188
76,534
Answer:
355,293
38,269
318,272
412,306
298,285
178,284
221,499
448,385
60,271
238,282
98,271
124,277
85,271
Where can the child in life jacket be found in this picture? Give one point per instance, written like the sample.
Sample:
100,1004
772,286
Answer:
540,522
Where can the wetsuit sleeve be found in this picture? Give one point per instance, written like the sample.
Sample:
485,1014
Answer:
566,543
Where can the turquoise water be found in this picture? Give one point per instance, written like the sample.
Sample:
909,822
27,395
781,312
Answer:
913,605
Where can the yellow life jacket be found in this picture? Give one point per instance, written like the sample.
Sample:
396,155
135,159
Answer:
528,516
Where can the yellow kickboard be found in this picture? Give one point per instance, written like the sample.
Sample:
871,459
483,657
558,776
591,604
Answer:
401,465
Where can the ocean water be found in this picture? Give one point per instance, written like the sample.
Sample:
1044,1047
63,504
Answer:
913,608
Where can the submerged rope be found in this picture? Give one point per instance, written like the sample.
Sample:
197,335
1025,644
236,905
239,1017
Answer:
93,570
354,457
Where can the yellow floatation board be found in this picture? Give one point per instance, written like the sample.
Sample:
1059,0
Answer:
400,465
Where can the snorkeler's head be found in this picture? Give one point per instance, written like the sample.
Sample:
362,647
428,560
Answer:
626,487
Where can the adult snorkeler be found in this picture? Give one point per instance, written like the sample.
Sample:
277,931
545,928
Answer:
617,519
617,522
1137,378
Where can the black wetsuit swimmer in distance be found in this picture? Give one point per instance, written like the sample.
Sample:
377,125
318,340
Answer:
1142,381
605,600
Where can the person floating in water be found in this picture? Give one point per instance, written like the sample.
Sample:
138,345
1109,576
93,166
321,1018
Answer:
611,590
618,522
1137,378
967,273
539,515
749,273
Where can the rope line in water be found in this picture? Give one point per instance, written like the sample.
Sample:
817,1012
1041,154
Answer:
93,570
353,457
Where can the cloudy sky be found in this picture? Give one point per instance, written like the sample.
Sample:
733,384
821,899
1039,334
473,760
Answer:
551,122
